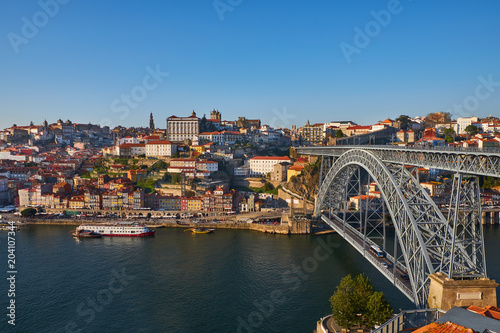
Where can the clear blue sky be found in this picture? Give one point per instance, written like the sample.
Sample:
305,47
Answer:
280,61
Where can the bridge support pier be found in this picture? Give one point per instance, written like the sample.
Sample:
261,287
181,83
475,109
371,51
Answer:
445,293
485,218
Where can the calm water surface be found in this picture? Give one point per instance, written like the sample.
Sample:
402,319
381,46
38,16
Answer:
228,281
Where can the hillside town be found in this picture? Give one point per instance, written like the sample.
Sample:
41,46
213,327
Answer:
207,165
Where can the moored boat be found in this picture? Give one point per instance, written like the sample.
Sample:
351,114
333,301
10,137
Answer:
200,230
121,229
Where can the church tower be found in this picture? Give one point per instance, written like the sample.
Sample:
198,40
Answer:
151,121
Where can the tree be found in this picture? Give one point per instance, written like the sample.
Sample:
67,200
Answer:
28,212
378,310
343,309
356,303
339,134
268,187
176,178
404,122
160,165
490,182
449,135
471,130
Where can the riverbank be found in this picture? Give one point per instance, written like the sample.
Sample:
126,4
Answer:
294,228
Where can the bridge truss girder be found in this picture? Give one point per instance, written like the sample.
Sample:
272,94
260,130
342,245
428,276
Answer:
422,232
483,162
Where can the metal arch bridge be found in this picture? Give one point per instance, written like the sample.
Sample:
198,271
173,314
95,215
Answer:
425,241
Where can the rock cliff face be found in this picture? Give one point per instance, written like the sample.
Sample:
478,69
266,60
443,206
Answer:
306,184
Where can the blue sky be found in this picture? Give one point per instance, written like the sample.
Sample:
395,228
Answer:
280,61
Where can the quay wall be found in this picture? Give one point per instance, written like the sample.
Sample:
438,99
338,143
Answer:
293,228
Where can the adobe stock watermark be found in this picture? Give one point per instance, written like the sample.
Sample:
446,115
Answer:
223,6
363,37
88,309
30,27
292,279
482,92
137,94
281,118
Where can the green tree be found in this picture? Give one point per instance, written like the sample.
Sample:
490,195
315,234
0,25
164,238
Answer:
28,212
471,130
449,135
167,177
343,308
356,303
160,165
176,178
378,310
490,182
404,121
339,134
268,187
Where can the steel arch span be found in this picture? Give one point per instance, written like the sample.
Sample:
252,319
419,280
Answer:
422,233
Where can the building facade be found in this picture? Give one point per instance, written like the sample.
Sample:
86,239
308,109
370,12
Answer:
160,149
262,165
183,128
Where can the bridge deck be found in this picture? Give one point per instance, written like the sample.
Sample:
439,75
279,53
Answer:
394,272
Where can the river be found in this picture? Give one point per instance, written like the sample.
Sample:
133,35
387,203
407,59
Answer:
228,281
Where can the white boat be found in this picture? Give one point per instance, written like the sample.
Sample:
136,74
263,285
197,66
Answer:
121,229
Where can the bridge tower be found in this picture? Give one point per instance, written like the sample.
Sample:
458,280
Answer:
462,280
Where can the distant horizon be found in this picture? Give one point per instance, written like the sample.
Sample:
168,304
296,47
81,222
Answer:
283,62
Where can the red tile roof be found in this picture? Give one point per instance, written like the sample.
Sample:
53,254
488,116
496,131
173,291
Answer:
281,158
447,327
159,142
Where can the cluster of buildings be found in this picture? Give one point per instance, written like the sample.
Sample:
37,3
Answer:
49,165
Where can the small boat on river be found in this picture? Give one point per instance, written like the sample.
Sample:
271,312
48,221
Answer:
200,230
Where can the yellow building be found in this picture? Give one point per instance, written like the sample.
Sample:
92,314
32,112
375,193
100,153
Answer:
293,171
198,148
76,202
194,204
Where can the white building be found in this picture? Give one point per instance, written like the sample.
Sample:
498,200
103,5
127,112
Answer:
128,140
221,138
241,171
210,166
193,167
160,149
129,150
464,122
262,165
183,128
183,162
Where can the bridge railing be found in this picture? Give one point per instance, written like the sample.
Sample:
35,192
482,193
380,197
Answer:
408,292
409,319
